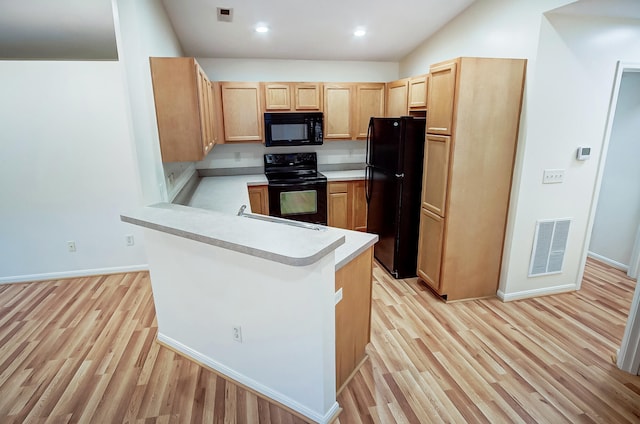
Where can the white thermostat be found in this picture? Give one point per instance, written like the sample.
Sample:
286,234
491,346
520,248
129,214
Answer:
583,153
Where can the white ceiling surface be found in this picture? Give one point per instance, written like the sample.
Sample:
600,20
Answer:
305,29
57,29
300,29
610,8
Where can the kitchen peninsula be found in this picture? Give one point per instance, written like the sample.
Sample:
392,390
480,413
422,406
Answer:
258,301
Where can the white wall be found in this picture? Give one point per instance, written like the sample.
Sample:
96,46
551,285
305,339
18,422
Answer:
488,28
251,155
573,78
571,68
286,314
298,70
67,171
618,212
143,29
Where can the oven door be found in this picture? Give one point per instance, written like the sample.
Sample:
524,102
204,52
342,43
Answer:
301,201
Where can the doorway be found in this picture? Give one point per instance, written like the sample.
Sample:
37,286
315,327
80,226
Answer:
618,240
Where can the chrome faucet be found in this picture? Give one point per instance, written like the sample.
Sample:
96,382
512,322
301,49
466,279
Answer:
241,211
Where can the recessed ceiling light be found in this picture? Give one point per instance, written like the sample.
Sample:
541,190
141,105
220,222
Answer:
262,28
359,32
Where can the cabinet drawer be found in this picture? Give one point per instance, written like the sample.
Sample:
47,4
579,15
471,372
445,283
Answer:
338,187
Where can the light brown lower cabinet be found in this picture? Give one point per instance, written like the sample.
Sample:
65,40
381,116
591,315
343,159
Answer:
347,205
259,199
353,316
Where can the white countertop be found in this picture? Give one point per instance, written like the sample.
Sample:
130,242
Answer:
344,175
211,217
276,242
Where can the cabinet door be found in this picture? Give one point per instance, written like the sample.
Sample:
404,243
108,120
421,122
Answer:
277,96
397,95
418,92
339,208
307,96
177,101
441,98
430,248
436,173
369,102
241,111
353,315
206,107
359,206
259,199
338,99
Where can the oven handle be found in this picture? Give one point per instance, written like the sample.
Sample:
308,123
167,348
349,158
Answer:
297,184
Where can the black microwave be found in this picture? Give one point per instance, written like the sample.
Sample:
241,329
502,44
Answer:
293,129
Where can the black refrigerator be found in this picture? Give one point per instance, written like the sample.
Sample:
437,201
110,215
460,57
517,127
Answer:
395,148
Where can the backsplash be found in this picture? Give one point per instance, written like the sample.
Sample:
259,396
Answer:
251,154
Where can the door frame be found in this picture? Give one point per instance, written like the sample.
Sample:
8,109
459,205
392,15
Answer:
629,352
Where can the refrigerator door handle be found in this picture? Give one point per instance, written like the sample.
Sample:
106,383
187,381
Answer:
366,154
367,183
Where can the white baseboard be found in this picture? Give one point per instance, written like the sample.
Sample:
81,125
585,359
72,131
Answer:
507,297
610,262
72,274
248,382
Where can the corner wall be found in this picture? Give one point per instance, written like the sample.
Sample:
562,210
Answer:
143,30
67,171
572,61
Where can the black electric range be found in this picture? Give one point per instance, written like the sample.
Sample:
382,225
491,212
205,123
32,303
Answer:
296,189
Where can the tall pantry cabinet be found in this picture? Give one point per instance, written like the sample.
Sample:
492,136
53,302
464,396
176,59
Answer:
473,116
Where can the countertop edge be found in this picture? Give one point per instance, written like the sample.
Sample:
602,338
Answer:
356,253
252,251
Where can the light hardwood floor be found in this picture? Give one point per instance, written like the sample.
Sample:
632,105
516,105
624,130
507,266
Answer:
83,350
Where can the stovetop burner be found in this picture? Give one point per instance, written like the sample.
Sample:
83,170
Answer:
292,167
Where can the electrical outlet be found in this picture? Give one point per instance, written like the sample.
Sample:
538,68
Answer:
553,176
237,333
71,246
129,239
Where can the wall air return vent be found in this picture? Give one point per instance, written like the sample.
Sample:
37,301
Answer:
549,245
225,14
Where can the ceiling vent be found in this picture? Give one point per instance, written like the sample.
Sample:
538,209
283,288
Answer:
225,15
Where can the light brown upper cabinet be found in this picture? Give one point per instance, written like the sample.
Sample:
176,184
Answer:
292,96
397,97
418,92
185,108
242,111
467,173
441,98
338,111
277,96
369,102
307,96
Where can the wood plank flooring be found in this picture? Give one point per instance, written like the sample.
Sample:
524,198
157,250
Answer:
83,350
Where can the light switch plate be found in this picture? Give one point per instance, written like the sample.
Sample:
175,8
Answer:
553,176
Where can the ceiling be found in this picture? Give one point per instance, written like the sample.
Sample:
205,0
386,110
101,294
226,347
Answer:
305,29
299,29
57,29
